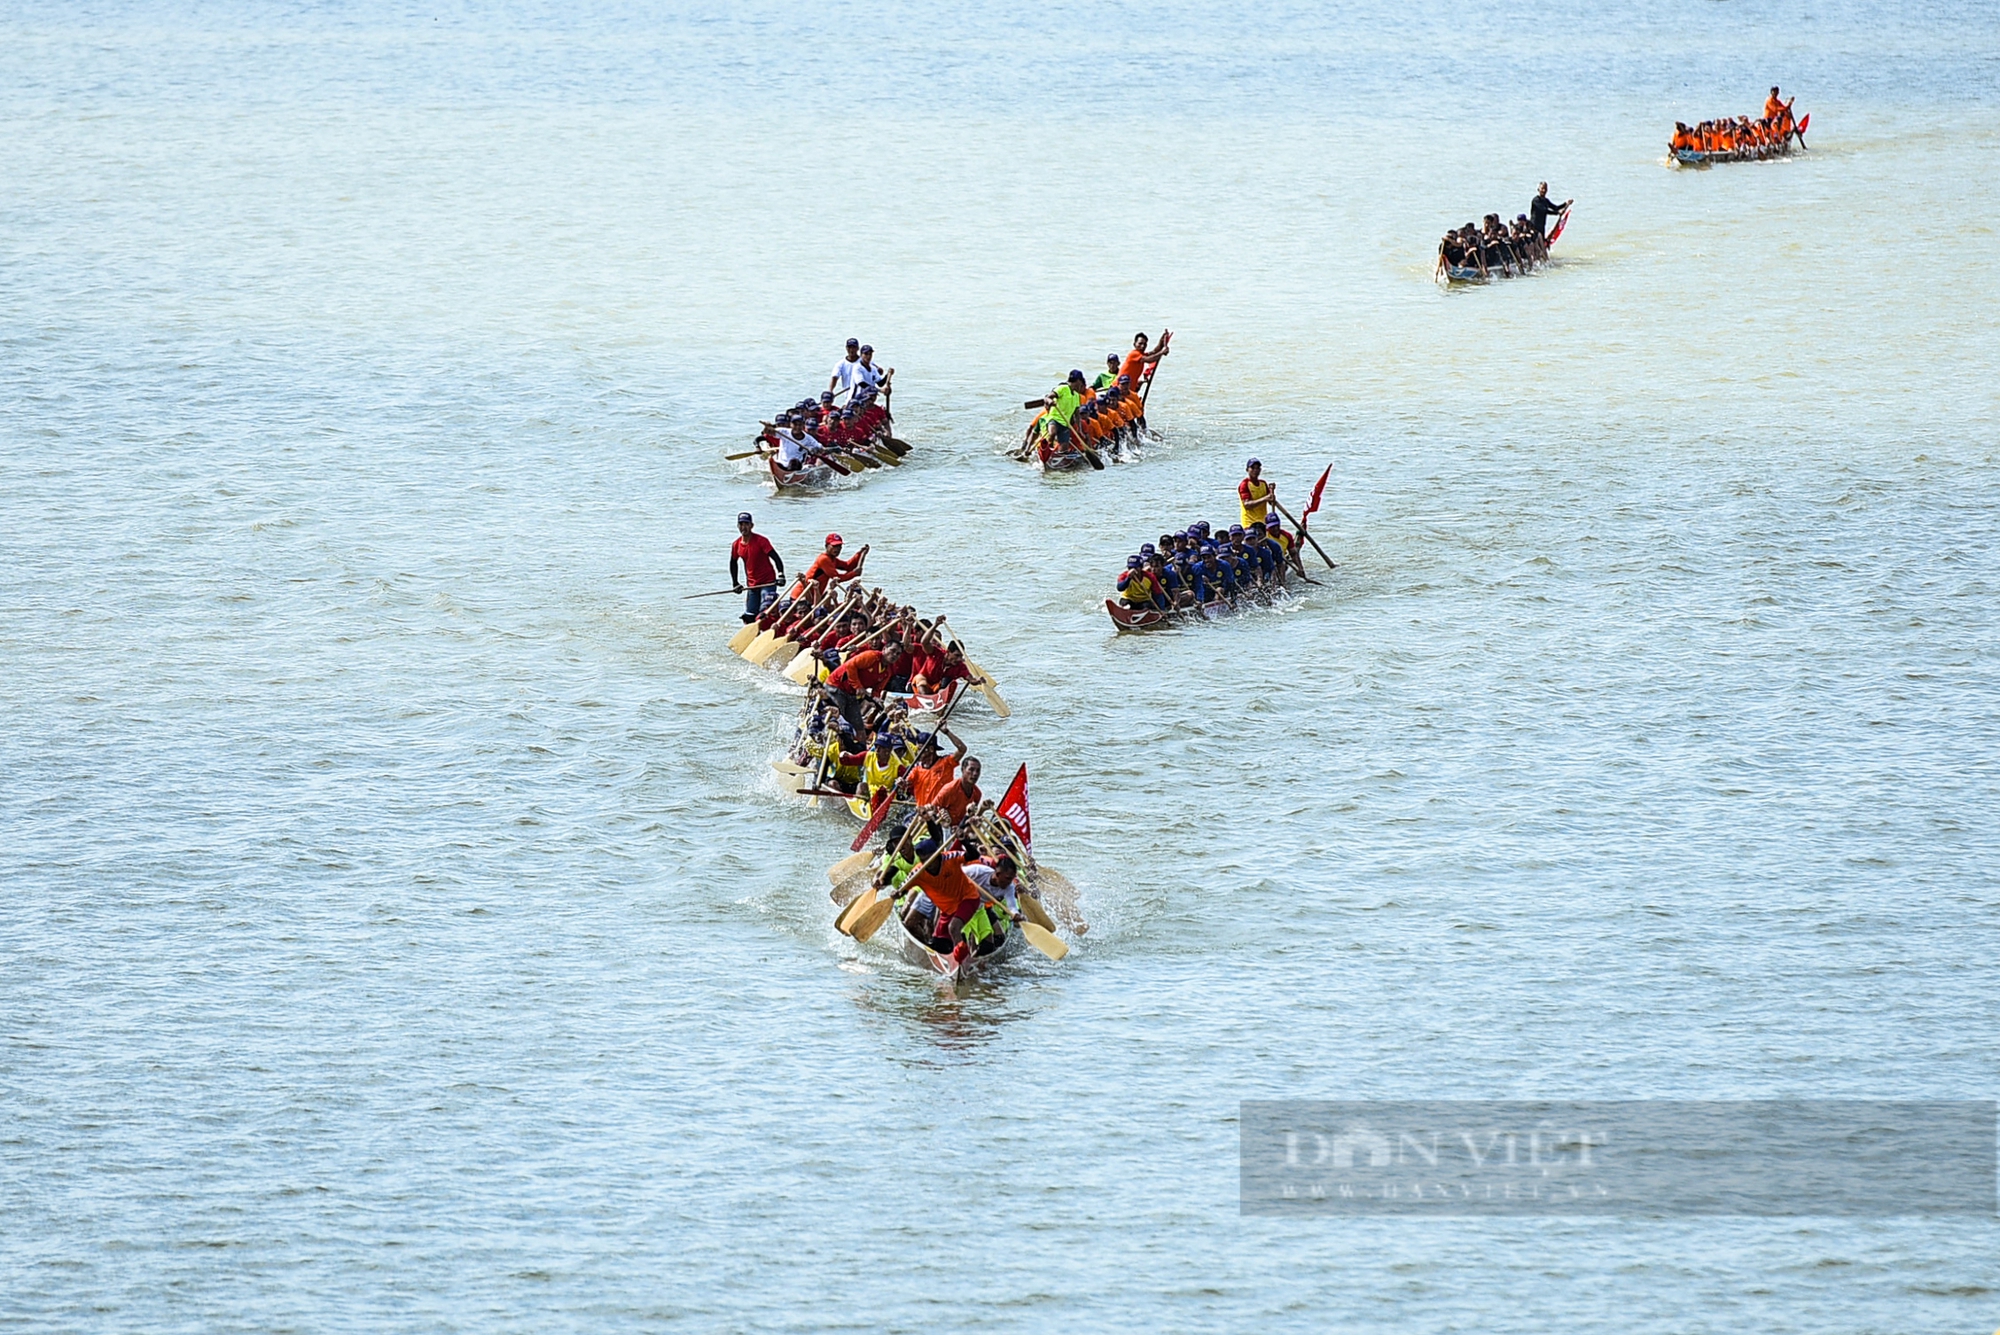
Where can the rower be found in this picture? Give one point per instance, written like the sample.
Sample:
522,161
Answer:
1064,402
844,375
1109,377
869,378
861,676
828,569
1136,588
1541,208
796,449
938,672
1254,494
1138,360
985,931
883,765
762,567
945,897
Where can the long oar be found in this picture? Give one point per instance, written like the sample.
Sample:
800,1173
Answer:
868,902
1040,937
713,593
1307,536
1011,843
814,618
764,630
811,628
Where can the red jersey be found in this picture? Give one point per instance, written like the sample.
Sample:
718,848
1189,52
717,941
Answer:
866,671
756,553
830,569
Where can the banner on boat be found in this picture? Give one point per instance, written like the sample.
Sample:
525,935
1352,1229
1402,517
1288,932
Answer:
1013,808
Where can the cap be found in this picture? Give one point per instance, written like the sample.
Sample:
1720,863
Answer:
1236,528
826,396
1111,359
1147,549
833,540
745,518
1076,375
1254,463
853,342
866,348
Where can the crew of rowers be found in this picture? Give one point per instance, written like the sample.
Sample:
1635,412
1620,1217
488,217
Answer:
1740,136
1509,248
829,432
1104,414
944,852
948,855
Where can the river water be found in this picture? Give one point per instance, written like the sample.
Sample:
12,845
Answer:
402,929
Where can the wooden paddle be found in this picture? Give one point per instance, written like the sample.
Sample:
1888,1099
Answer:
716,593
1055,880
813,618
834,604
866,903
1040,937
1307,536
747,648
805,666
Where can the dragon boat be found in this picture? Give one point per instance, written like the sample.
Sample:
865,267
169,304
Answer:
1134,619
1463,275
1793,142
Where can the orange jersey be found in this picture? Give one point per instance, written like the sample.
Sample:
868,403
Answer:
1134,367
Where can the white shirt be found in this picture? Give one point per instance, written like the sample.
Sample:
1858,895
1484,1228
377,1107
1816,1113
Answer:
791,450
981,875
844,375
869,376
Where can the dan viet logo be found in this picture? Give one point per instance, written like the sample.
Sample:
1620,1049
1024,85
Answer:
1640,1157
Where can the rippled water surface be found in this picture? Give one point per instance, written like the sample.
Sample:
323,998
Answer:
402,929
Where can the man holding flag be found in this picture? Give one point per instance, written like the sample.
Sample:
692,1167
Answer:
1256,496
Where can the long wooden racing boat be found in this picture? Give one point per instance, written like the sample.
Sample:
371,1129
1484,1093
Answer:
810,478
943,966
1459,275
1793,142
1140,619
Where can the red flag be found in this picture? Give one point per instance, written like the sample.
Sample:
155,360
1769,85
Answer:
1013,808
1319,489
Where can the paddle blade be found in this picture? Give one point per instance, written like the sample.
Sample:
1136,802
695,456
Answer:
800,670
863,903
870,922
1040,938
772,650
1091,455
846,867
1032,910
741,639
993,699
757,641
